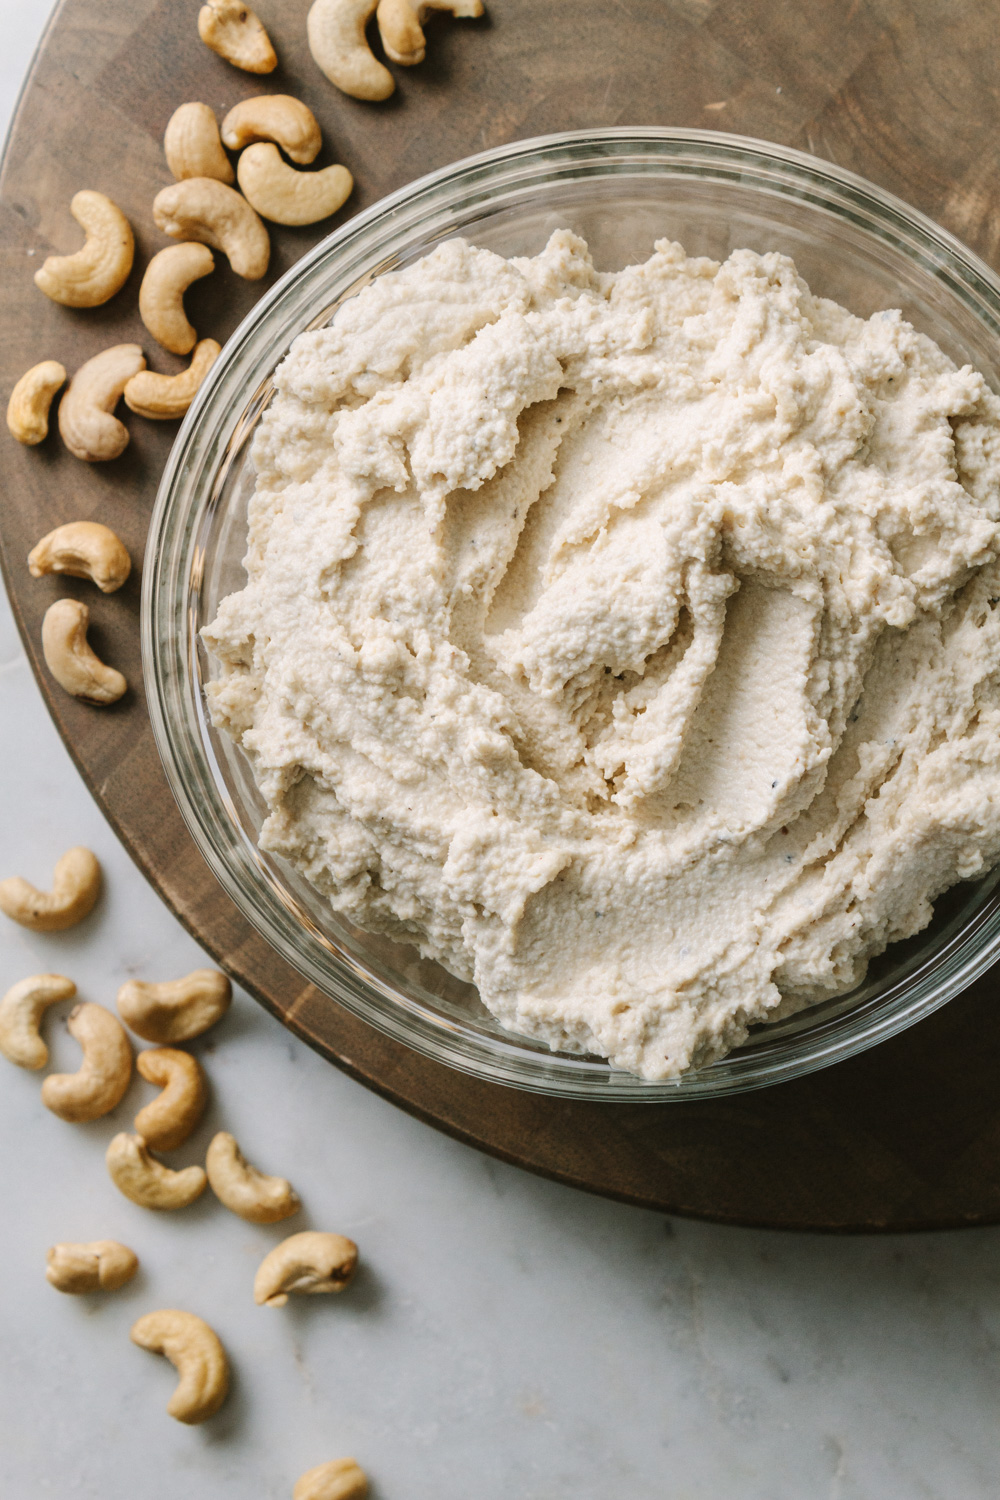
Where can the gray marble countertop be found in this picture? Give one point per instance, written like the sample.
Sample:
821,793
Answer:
507,1338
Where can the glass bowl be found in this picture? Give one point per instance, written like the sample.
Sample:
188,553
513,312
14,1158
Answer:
621,189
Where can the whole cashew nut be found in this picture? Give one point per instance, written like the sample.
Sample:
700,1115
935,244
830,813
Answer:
400,24
242,1188
147,1181
169,1119
286,196
336,31
101,268
161,295
82,549
177,1009
104,1075
21,1011
71,661
309,1262
86,423
101,1266
203,209
161,397
192,145
340,1479
30,400
236,33
274,117
76,884
196,1353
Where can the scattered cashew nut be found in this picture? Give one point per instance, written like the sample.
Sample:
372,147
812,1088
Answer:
196,1353
237,33
76,883
161,397
86,423
82,549
147,1181
340,1479
308,1262
274,117
104,1075
21,1011
242,1188
169,1119
336,31
200,208
400,24
192,145
101,268
161,295
71,661
28,407
177,1009
286,196
101,1266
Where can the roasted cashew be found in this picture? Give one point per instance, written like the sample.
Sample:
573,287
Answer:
28,407
205,210
274,117
86,423
71,661
237,33
340,1479
101,1266
308,1262
286,196
101,268
104,1075
161,397
76,884
147,1181
169,1119
242,1188
21,1010
400,24
177,1009
192,145
82,549
197,1355
161,295
337,41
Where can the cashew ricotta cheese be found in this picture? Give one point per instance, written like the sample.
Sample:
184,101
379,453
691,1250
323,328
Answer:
629,643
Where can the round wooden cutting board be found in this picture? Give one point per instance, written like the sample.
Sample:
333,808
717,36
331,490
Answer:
902,91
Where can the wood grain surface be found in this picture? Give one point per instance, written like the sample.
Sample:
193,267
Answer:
904,92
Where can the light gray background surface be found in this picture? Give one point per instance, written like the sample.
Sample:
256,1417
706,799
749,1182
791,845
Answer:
507,1339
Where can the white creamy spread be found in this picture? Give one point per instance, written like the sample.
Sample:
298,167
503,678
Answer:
629,643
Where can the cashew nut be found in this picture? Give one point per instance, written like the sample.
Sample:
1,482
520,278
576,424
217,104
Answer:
177,1009
161,397
76,883
101,1266
340,1479
236,33
147,1181
169,1119
71,661
308,1262
400,24
104,1075
28,407
101,268
192,145
203,209
242,1188
21,1011
336,31
274,117
88,429
161,295
82,549
286,196
197,1355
